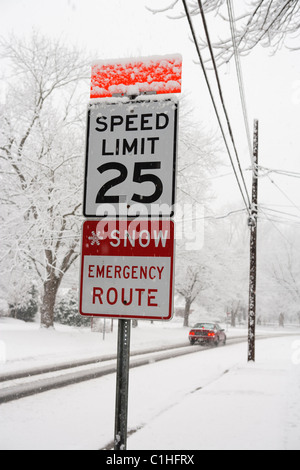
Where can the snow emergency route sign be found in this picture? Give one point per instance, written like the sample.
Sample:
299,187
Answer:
131,150
127,269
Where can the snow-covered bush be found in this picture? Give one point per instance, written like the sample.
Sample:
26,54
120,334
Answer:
27,309
67,313
4,308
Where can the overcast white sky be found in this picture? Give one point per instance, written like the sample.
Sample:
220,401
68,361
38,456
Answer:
122,28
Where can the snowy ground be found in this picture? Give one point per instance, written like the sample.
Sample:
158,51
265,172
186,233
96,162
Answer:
207,400
239,406
24,345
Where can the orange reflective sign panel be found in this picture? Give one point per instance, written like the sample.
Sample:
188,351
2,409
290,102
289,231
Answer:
157,74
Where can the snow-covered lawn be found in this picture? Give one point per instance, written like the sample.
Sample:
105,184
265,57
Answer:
208,400
26,345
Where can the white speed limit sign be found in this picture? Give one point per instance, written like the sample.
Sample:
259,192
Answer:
131,150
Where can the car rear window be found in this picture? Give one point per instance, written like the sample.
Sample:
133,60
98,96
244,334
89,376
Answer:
205,326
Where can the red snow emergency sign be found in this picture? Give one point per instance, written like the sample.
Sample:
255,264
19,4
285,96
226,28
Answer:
127,269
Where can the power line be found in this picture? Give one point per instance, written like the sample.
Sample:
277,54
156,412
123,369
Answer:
288,173
280,217
239,72
276,228
214,103
221,94
218,217
280,212
285,195
280,220
219,176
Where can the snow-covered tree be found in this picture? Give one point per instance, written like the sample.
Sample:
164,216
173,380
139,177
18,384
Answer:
230,244
192,279
198,158
41,154
270,23
279,275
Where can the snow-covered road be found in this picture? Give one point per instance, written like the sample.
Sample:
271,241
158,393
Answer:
210,400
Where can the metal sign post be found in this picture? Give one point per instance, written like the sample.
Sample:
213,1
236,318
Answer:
122,385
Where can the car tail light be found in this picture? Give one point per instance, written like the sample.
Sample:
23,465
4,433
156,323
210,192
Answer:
211,334
192,333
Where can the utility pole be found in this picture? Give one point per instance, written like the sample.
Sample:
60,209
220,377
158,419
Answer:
253,219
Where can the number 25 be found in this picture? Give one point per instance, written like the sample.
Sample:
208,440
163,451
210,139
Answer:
138,177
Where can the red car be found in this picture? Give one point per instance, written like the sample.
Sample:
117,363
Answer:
207,333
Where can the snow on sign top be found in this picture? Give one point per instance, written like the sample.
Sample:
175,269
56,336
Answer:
158,74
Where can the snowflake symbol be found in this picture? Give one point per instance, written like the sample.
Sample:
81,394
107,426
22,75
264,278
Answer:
95,238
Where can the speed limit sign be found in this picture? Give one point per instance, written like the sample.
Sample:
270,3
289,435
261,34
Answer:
131,151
